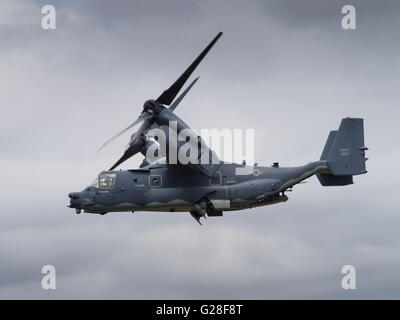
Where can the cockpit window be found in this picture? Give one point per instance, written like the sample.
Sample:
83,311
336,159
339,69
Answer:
95,183
107,180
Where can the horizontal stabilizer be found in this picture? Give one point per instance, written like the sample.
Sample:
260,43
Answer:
331,180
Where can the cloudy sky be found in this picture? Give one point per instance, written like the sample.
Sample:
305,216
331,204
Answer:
286,69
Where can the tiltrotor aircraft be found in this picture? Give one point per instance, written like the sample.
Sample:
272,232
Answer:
208,188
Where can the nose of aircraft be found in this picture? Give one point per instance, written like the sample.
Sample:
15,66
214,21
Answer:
80,200
75,201
75,195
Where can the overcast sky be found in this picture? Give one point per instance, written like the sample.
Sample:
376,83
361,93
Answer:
286,69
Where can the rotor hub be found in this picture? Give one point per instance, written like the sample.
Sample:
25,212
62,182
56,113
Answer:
152,106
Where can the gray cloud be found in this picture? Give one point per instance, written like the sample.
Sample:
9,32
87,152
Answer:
284,68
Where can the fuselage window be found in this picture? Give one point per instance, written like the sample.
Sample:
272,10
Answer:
107,180
155,181
216,178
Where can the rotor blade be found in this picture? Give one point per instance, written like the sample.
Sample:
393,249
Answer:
169,95
131,151
122,159
179,99
145,124
142,117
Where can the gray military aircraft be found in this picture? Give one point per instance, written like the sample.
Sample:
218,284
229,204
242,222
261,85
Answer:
208,189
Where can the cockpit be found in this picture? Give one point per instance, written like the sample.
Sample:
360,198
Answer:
105,181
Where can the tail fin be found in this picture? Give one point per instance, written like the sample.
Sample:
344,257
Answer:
344,152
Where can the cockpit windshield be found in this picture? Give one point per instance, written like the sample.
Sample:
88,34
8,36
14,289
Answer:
107,180
95,183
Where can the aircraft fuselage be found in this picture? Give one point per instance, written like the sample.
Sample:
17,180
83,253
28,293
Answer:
178,188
